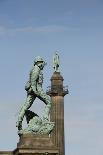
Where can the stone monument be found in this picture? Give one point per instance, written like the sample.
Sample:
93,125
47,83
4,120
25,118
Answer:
43,135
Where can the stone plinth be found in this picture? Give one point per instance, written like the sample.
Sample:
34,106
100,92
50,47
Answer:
6,153
36,145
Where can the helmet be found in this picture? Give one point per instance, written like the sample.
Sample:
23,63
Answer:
38,59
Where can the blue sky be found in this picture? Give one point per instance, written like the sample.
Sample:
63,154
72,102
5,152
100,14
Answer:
75,29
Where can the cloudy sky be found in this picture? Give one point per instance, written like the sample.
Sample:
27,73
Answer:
73,27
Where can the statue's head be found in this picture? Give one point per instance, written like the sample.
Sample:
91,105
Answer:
56,52
39,62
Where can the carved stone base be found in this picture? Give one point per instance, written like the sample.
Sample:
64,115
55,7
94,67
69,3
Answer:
35,145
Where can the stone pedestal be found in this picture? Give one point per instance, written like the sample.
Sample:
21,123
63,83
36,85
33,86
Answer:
36,145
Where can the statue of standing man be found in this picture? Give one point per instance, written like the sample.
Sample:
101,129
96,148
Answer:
34,89
56,62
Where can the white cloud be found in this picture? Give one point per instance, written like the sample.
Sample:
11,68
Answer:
39,29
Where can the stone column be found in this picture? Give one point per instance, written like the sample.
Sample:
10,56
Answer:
57,93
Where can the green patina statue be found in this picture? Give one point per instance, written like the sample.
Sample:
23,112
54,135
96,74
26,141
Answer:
34,89
56,62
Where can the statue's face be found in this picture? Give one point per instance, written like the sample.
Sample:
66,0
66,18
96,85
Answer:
41,65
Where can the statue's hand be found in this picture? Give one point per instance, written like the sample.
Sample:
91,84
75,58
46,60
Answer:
34,90
30,90
27,86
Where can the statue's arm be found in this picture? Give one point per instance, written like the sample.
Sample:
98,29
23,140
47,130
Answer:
34,78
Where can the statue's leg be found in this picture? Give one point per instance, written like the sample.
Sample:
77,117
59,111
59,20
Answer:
54,68
47,100
29,101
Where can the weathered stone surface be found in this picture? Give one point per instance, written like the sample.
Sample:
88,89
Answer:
34,141
57,94
6,153
36,144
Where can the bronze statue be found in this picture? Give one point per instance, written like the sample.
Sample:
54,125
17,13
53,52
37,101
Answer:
34,89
